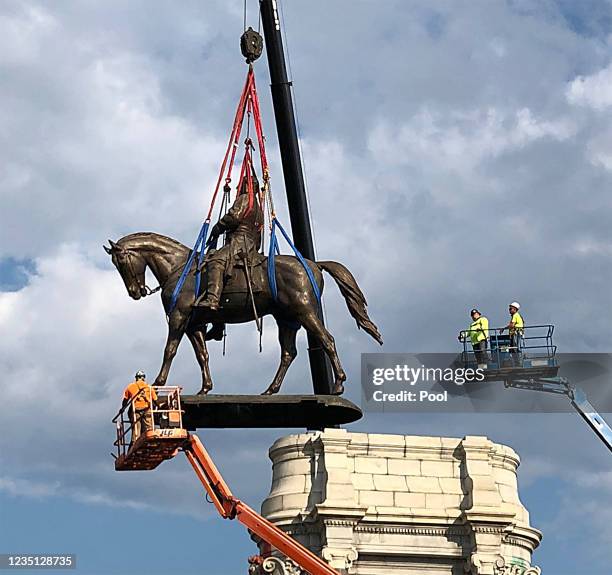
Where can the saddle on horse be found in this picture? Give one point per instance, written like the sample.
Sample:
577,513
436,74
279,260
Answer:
242,280
239,289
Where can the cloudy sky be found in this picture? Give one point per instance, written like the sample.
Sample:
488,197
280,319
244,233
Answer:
457,153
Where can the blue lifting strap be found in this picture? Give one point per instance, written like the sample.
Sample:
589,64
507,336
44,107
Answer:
201,256
199,244
272,266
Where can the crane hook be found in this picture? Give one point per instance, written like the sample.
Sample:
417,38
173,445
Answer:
251,45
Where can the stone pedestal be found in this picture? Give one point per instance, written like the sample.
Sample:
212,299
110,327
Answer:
371,504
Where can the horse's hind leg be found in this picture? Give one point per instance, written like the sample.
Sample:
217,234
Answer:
286,338
198,341
313,324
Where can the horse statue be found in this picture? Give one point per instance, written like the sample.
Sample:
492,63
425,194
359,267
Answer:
296,304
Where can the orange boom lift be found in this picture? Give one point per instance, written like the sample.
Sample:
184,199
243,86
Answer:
164,438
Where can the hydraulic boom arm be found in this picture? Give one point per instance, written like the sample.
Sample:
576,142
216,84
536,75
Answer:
593,419
578,399
231,508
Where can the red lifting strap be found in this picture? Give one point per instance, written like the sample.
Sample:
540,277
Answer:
249,103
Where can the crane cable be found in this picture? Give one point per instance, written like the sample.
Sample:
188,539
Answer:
248,102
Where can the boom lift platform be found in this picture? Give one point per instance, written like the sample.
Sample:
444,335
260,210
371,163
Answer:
533,366
162,436
536,356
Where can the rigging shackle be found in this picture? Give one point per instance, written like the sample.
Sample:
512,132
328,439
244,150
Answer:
251,45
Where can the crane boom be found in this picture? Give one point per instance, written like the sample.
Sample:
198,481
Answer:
577,397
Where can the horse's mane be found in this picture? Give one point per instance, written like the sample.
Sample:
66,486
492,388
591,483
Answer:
151,241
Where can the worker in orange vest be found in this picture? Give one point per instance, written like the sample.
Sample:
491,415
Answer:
141,395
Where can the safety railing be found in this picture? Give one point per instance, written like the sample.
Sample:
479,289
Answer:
531,346
163,412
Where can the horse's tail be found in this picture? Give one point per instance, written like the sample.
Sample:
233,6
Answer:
355,300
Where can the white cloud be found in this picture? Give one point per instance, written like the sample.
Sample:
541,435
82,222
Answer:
594,94
23,487
600,480
24,32
461,140
594,91
91,150
588,246
599,149
68,303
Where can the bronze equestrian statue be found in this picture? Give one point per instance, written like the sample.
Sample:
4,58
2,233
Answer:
228,297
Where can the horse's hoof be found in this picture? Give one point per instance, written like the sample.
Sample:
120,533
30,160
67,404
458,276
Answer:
270,391
338,389
204,390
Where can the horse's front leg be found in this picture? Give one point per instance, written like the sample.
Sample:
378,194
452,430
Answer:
198,341
176,329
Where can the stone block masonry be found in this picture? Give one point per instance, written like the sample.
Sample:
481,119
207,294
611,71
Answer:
375,504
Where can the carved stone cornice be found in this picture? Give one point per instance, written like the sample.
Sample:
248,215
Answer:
524,536
413,530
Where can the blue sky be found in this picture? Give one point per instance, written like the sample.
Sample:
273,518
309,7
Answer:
14,273
457,154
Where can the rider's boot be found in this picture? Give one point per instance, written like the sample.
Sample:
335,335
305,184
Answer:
215,332
214,287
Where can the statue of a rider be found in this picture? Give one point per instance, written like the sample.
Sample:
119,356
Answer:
242,226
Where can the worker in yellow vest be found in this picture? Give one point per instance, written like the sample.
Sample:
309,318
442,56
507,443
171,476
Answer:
142,396
515,329
478,334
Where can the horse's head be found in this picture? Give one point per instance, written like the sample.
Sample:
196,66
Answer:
131,266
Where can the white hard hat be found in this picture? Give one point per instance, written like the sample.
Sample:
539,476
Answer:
516,304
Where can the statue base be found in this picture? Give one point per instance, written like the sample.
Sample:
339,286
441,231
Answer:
260,411
374,504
